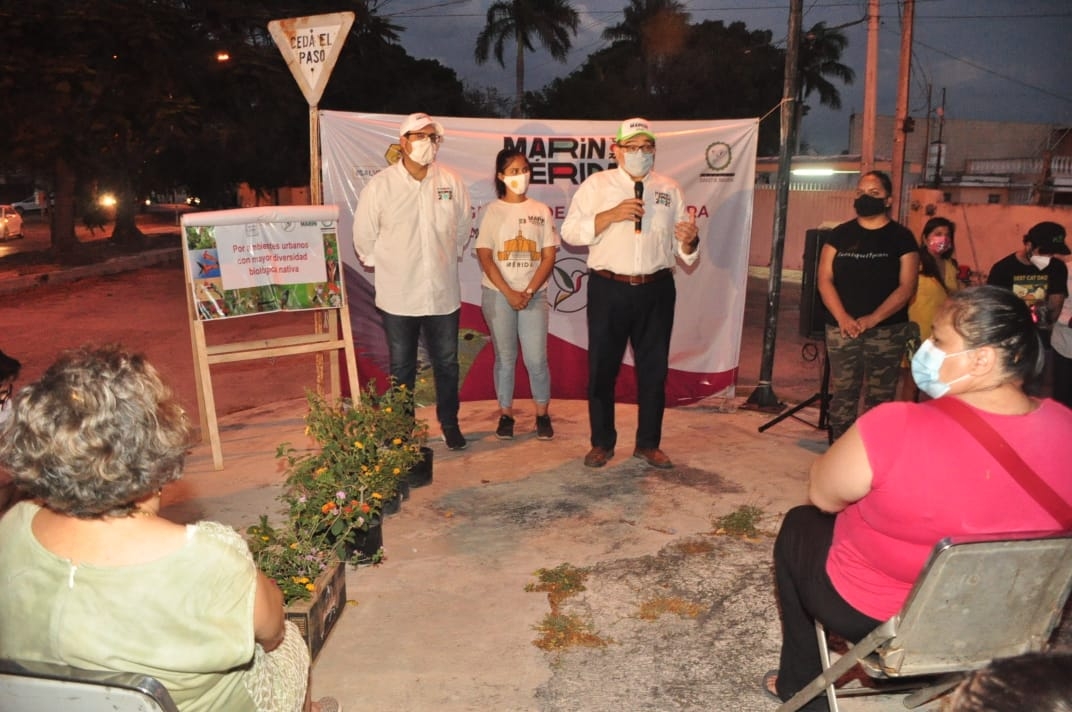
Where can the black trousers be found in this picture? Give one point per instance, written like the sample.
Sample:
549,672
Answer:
641,315
806,594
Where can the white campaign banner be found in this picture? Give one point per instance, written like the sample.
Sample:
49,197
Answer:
714,161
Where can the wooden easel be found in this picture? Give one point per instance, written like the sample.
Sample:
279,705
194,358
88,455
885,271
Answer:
331,332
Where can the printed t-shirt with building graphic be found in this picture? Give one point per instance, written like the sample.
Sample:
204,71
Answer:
516,233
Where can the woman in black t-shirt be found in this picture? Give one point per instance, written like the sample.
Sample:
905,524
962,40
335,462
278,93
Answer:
867,274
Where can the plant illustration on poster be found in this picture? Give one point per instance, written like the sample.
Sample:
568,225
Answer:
257,267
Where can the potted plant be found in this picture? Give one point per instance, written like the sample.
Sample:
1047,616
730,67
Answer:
364,449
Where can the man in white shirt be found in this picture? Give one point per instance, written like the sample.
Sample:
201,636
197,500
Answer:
635,224
411,225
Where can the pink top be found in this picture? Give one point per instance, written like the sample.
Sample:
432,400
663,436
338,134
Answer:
932,479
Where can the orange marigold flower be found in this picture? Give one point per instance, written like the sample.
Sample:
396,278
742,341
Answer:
365,508
388,410
377,495
359,445
397,471
310,587
396,441
327,507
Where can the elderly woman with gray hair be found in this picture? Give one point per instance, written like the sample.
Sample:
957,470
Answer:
95,578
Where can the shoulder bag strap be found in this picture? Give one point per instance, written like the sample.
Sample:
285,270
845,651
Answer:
999,447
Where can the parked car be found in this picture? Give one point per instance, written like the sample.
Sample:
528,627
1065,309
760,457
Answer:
10,222
28,205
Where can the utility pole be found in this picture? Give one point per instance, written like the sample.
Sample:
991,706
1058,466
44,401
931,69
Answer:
867,135
763,398
902,124
941,126
927,137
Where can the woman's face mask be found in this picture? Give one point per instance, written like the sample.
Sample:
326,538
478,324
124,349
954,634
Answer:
868,206
516,184
926,366
938,241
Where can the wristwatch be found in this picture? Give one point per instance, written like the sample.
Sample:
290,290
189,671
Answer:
528,291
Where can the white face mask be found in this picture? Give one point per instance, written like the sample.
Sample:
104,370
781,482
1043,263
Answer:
1041,262
422,152
926,364
517,184
638,164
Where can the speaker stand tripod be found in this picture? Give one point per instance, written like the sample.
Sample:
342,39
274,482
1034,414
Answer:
822,398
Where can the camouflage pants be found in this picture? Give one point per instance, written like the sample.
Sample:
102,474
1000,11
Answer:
872,362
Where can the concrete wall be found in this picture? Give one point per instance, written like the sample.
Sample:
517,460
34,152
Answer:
984,234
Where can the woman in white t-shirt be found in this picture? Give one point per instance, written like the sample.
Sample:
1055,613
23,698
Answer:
516,247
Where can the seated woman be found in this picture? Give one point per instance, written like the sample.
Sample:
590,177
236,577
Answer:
96,579
907,475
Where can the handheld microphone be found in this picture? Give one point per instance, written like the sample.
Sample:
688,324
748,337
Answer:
638,192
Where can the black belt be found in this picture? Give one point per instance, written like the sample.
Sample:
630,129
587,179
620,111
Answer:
635,279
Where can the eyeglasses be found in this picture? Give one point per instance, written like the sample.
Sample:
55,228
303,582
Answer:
433,137
646,149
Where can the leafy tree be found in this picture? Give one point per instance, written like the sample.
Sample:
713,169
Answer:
656,29
550,21
721,72
820,57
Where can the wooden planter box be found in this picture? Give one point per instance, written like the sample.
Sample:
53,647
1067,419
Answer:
316,616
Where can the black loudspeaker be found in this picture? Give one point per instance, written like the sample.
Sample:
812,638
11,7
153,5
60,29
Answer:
812,311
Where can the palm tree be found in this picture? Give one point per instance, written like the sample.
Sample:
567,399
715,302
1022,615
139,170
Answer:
549,21
656,29
820,55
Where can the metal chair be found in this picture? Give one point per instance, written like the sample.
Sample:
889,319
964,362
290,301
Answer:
33,686
977,599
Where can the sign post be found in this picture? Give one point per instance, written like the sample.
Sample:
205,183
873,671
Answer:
311,46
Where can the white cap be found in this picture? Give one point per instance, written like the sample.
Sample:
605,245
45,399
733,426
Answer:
416,122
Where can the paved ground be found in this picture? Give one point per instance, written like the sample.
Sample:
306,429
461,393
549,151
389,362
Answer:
445,623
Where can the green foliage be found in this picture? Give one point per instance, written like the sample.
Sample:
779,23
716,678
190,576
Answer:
336,491
741,522
291,557
364,449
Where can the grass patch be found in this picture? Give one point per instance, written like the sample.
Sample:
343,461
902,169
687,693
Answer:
560,583
558,631
651,610
693,546
741,522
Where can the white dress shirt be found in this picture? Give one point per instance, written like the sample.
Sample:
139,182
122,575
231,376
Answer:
412,233
618,248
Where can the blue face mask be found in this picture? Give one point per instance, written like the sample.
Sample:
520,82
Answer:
925,367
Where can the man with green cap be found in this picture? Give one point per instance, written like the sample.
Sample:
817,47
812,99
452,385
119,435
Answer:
636,225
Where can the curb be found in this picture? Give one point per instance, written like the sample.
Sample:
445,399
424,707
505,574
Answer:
115,265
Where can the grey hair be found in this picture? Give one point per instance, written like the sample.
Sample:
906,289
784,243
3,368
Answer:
1035,682
96,434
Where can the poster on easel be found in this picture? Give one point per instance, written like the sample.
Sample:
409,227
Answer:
264,260
257,260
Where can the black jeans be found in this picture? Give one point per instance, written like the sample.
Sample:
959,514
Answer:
620,314
805,594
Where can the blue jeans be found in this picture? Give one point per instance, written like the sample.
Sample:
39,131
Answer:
441,339
508,326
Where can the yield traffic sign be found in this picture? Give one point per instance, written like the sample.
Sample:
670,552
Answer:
310,46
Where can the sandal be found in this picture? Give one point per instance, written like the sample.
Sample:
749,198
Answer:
770,684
